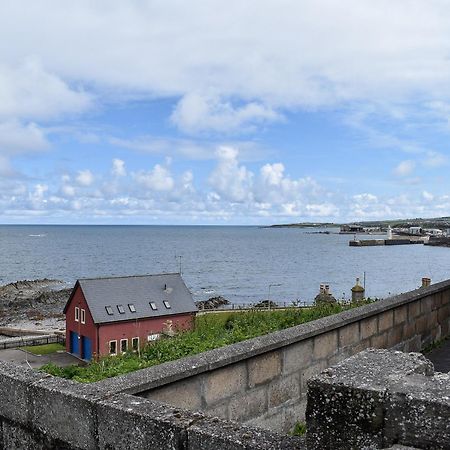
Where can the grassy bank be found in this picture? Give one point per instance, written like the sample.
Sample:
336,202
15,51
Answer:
45,349
211,331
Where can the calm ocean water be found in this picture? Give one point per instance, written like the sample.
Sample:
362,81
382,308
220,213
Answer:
236,262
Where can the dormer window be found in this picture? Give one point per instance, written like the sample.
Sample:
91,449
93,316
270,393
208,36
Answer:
121,309
131,307
167,304
153,306
109,310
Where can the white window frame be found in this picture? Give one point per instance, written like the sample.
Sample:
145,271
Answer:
83,316
153,306
110,342
153,337
133,340
77,314
126,347
131,307
167,304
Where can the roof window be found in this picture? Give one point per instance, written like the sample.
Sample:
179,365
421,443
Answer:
167,304
109,310
153,306
132,307
121,309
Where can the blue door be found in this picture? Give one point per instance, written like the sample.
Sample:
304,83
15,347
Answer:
86,348
74,345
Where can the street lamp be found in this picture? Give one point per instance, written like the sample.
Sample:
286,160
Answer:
268,296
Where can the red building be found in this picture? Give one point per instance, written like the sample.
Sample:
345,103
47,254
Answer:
108,316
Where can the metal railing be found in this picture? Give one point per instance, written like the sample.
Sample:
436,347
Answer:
265,305
262,305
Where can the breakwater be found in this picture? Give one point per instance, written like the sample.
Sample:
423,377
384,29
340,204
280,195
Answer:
377,242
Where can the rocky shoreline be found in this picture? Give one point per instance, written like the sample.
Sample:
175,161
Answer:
36,304
33,301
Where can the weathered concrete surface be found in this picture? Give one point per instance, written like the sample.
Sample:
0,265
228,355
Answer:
379,398
26,359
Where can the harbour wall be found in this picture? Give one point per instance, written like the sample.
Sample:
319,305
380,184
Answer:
259,382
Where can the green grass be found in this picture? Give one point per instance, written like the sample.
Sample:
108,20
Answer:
44,349
211,331
299,429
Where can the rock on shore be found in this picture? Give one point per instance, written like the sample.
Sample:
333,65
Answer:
212,303
32,300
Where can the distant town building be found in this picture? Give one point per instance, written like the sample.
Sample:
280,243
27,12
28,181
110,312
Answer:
352,228
109,316
416,231
434,232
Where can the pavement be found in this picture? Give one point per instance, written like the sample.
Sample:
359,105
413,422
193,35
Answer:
27,359
440,357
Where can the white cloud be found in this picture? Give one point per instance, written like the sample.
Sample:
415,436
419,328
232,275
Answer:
405,168
27,91
236,194
17,138
365,198
118,169
272,174
157,179
68,191
196,113
85,178
302,55
323,210
230,180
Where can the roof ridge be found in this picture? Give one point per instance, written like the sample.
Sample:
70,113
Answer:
129,276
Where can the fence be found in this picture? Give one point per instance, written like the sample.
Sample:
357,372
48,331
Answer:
264,305
31,341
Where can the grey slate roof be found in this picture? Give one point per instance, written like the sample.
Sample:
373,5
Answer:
138,291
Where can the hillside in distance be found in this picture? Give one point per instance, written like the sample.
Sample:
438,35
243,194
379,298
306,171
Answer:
436,222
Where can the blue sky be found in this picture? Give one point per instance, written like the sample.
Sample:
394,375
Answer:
263,112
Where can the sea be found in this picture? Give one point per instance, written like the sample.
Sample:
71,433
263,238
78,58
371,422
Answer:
244,264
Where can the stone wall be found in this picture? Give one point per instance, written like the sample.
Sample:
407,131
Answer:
377,399
262,381
40,412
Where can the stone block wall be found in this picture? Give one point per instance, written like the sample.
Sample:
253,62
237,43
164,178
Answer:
263,381
40,412
378,399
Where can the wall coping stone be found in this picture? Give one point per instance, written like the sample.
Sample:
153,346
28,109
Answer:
157,376
52,404
378,398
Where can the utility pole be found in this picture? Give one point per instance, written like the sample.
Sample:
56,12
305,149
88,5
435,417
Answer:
268,297
179,257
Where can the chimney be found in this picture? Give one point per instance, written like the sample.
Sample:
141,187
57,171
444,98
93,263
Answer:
426,281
